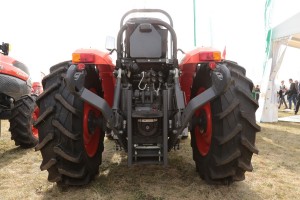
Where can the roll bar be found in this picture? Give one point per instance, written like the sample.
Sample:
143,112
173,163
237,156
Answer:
154,22
146,11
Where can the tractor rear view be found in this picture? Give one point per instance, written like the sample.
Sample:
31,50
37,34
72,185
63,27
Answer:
146,101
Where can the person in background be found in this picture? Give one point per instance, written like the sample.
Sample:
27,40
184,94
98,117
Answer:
297,86
257,91
297,92
292,94
298,98
281,93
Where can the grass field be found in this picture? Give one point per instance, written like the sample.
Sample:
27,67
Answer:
276,173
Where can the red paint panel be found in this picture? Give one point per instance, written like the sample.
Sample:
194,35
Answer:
108,82
186,79
7,68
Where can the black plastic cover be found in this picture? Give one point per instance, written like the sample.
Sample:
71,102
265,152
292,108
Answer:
13,87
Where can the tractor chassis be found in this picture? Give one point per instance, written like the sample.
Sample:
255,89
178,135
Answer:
220,77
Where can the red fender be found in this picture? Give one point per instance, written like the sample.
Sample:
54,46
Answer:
103,62
6,67
189,63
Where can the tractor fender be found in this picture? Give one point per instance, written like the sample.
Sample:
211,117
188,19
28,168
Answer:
14,87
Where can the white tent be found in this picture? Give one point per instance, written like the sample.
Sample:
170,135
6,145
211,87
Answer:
285,34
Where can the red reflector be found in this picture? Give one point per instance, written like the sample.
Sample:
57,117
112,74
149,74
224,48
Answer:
214,55
80,67
87,57
212,65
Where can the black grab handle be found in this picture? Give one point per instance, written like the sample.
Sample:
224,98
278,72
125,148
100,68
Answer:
146,11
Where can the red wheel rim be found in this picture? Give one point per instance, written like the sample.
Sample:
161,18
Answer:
35,115
203,134
91,138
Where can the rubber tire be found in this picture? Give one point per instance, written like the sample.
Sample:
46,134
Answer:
60,127
21,123
233,131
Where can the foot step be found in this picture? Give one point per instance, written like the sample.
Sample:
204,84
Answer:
146,154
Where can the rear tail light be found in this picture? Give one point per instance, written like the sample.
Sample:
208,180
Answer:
212,56
83,58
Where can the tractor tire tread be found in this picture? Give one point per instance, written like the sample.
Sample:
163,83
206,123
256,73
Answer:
73,174
253,101
250,121
234,129
64,131
48,165
232,134
219,176
43,116
63,102
228,110
248,145
21,123
66,156
45,141
54,71
229,158
47,91
237,68
244,166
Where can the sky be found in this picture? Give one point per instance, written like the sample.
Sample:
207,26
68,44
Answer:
43,33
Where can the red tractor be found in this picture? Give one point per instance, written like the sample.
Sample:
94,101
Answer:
16,101
36,90
147,99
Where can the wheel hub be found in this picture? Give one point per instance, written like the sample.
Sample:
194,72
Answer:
202,122
91,128
91,122
203,127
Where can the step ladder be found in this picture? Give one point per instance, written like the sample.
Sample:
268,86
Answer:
155,153
147,154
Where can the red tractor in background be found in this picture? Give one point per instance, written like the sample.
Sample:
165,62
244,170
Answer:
147,99
37,89
16,101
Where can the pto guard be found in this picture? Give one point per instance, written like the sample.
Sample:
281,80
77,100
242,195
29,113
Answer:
221,79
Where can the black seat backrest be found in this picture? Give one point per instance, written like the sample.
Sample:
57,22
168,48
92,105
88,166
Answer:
145,40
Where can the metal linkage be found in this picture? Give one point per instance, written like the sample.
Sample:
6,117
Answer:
75,83
220,81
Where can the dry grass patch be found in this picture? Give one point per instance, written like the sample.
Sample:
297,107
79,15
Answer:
275,176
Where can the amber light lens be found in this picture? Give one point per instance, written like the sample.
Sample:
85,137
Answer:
83,58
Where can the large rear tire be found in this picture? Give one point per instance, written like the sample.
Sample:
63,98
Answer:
21,123
223,131
67,154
